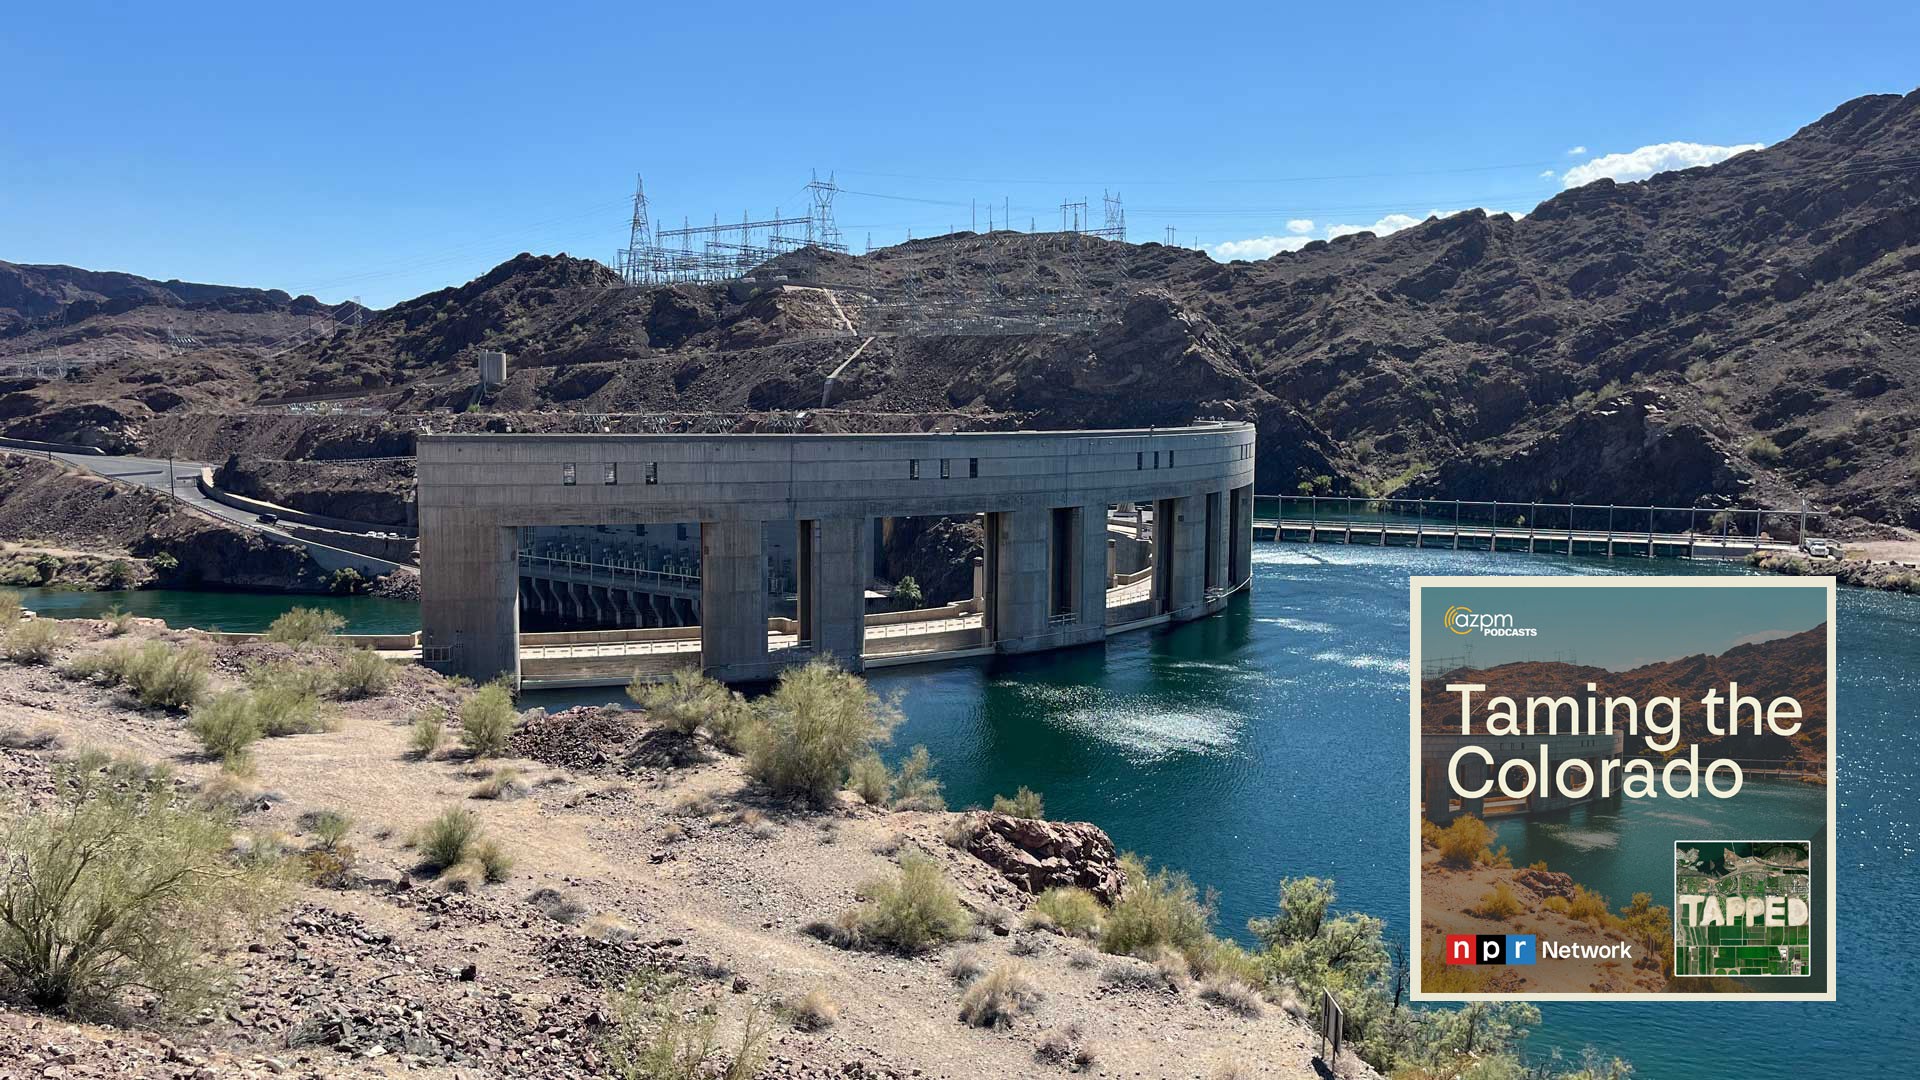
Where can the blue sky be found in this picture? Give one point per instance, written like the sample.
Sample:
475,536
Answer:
1617,627
387,150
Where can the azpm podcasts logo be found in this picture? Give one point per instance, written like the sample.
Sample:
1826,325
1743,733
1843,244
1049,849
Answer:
1464,620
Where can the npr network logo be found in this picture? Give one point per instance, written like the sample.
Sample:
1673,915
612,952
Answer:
1490,949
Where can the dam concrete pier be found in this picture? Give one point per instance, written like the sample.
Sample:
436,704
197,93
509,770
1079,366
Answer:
1046,498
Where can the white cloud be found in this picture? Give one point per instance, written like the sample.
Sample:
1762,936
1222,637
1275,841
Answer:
1258,247
1263,247
1648,160
1300,225
1392,223
1576,151
1546,174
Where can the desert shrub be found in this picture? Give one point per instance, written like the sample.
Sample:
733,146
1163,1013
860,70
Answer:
362,673
302,626
19,738
815,724
1557,904
119,574
109,665
347,581
1221,958
1232,994
652,1038
163,562
914,786
1587,906
1026,803
1465,842
1763,450
1500,904
1159,908
683,702
502,783
34,641
428,731
114,888
286,700
812,1011
494,861
328,827
966,965
486,720
10,606
1074,912
996,998
163,676
445,840
1066,1047
1429,834
227,727
913,911
118,621
868,779
556,906
733,725
462,877
1311,947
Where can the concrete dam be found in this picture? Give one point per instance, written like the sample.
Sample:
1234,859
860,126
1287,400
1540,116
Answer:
795,514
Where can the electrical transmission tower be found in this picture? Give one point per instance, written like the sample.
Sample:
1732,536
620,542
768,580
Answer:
633,260
821,229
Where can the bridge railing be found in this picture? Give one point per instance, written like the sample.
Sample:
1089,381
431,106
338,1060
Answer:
609,573
1545,518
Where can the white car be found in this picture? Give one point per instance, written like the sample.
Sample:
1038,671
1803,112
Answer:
1818,549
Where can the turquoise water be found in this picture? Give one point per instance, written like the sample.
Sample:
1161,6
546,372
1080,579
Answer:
234,612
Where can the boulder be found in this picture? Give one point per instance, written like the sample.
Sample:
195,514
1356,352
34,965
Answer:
1038,855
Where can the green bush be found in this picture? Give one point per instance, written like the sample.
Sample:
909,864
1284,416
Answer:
286,699
1074,912
329,828
362,673
163,676
683,702
347,581
914,787
119,574
1026,803
913,911
906,593
227,727
486,720
429,730
302,626
118,887
868,779
34,641
163,563
653,1038
1160,908
118,621
10,606
447,839
815,724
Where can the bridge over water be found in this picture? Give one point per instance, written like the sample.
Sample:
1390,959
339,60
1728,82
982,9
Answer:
1561,528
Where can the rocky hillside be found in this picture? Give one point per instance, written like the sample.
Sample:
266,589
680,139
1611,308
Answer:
1714,336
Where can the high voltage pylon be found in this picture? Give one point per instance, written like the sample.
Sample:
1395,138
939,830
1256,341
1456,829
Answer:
716,252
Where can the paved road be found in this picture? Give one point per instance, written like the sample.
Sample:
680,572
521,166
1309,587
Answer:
177,478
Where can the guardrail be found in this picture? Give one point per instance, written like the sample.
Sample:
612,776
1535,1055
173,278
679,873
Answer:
611,573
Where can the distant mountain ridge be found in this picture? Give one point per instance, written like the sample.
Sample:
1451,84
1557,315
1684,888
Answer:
34,296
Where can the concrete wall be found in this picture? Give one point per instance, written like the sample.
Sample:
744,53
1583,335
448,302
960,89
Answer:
475,489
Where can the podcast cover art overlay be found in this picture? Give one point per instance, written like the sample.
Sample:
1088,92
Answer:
1622,788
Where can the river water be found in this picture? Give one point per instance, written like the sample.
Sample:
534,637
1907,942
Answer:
1271,741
